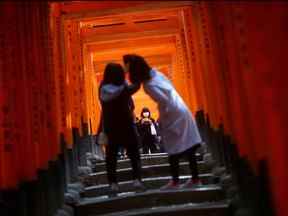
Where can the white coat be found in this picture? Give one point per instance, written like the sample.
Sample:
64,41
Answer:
178,128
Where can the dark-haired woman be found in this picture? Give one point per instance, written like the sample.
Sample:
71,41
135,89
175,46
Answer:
178,128
148,132
117,107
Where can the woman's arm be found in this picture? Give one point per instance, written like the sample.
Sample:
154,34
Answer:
133,88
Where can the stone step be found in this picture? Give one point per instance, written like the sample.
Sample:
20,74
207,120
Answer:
150,183
151,198
147,171
188,209
146,160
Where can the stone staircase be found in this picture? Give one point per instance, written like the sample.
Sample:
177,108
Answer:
207,200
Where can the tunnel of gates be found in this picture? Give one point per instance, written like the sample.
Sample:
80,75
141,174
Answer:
226,59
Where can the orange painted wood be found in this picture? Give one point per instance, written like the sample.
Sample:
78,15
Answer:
9,124
234,84
208,64
92,83
178,74
3,14
123,28
211,43
140,35
68,84
267,65
259,44
194,55
73,72
187,37
56,74
218,49
165,7
202,63
50,103
39,43
60,72
87,89
72,7
26,168
131,42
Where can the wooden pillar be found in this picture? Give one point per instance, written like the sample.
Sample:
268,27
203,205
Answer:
193,80
67,82
264,58
9,96
236,98
198,62
189,89
92,82
73,70
179,76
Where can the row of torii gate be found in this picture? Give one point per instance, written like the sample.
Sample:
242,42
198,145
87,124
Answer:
225,59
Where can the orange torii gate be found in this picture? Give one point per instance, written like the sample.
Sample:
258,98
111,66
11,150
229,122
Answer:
213,55
226,59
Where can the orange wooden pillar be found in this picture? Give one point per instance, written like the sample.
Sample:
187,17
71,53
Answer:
267,64
57,37
8,151
216,70
39,119
235,91
28,136
253,46
219,62
68,89
179,76
208,64
27,118
198,61
73,70
96,107
57,75
193,74
29,147
92,82
96,112
189,85
88,81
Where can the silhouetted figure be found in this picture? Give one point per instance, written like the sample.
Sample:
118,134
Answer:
178,128
117,108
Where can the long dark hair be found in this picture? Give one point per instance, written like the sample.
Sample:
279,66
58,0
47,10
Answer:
139,69
113,74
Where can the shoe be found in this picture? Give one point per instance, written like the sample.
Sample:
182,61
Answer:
191,183
171,185
114,187
138,185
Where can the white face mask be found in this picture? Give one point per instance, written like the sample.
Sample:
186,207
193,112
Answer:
146,114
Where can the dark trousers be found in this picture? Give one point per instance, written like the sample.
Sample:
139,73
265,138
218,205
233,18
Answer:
111,160
190,154
148,142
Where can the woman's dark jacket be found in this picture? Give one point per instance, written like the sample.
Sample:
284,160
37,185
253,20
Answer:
117,112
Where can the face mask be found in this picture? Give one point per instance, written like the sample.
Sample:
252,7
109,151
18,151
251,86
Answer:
146,114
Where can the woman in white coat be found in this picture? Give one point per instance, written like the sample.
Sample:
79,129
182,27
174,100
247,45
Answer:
177,126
